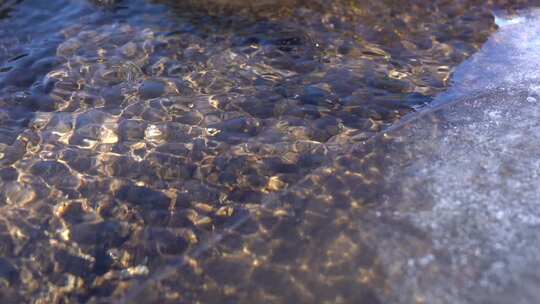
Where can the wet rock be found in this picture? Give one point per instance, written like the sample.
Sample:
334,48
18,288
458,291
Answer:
8,174
37,101
417,100
189,118
169,167
259,108
18,193
112,96
272,74
238,125
71,212
155,115
228,270
180,219
54,173
276,282
108,136
155,133
129,49
247,8
77,159
105,206
125,166
11,153
91,117
225,211
6,245
176,149
151,88
9,274
143,196
83,136
131,130
67,262
68,48
203,221
109,232
313,95
388,84
275,183
60,122
203,208
279,165
324,128
44,65
155,217
167,242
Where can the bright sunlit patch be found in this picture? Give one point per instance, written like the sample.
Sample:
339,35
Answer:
502,20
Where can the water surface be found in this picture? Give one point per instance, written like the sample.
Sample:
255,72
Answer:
156,152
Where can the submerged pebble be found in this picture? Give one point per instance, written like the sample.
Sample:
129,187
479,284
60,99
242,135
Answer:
143,196
54,173
8,273
109,233
151,88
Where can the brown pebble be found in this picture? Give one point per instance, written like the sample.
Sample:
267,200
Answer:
275,184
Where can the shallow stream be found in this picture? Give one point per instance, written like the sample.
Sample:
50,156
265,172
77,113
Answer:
199,152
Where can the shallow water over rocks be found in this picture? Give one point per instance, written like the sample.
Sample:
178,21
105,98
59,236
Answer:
166,144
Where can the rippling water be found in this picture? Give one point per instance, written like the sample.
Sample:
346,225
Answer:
156,151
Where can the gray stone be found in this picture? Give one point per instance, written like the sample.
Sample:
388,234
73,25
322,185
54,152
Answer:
151,88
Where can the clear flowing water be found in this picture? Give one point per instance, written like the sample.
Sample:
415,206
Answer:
156,151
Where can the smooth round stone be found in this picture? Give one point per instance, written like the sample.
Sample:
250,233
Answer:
132,130
54,173
324,128
151,88
167,242
12,153
86,136
8,174
17,193
68,48
108,136
129,49
154,133
238,6
8,273
154,115
72,212
91,117
112,96
138,195
44,65
228,269
60,123
107,232
68,263
417,100
6,244
275,184
314,96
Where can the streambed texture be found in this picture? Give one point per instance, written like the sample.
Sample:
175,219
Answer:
226,152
